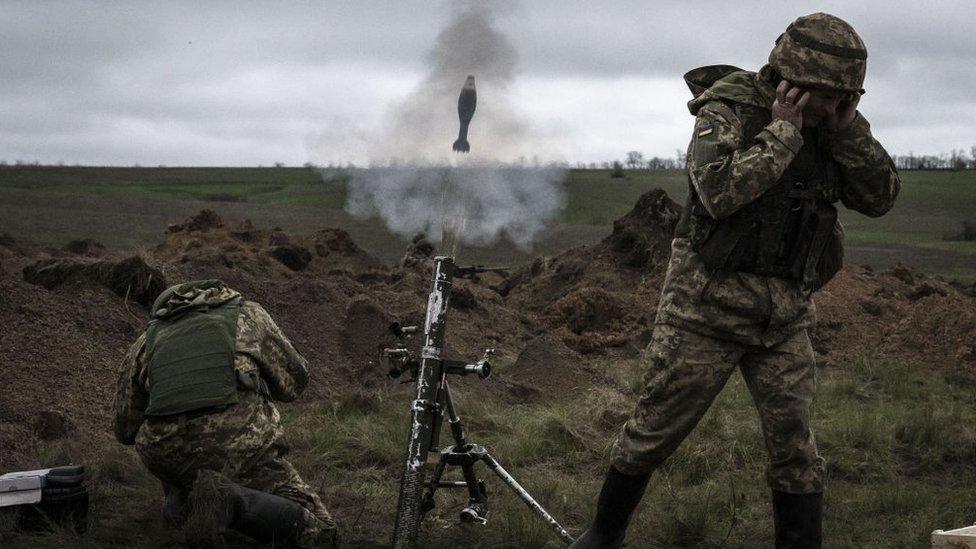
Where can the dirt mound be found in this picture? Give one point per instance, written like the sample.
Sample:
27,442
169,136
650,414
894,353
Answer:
336,250
592,319
896,313
365,329
61,348
292,256
130,278
643,236
85,246
206,243
602,297
202,222
545,365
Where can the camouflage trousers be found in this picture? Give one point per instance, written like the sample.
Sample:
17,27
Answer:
244,444
686,371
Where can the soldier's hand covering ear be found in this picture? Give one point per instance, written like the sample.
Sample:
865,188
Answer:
789,103
845,113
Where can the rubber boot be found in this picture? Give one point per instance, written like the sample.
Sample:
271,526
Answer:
217,504
618,498
797,519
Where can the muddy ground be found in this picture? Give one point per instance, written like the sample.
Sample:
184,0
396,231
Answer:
67,316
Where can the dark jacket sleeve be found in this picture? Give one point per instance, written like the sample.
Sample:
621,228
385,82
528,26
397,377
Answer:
728,172
131,397
869,180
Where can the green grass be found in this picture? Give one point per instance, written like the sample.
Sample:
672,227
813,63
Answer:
898,440
595,198
928,241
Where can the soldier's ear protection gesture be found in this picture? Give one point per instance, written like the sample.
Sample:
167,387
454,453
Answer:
845,113
789,103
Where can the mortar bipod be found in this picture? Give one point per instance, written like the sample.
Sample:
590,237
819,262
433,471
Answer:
465,455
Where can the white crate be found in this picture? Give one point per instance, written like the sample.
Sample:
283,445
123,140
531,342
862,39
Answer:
22,487
960,538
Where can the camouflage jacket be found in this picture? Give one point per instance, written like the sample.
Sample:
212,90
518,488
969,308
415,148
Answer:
728,172
260,349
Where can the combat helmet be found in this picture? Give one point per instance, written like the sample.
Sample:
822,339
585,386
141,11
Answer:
821,51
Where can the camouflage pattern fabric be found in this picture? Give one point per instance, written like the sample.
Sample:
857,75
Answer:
740,307
710,322
727,174
244,441
871,181
821,51
685,371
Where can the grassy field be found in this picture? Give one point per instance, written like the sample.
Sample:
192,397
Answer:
898,441
129,207
898,464
897,437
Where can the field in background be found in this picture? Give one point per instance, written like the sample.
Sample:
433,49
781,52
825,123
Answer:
125,208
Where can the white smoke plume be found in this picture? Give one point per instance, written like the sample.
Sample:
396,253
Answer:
483,203
483,194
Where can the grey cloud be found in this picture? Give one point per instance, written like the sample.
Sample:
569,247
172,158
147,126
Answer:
249,82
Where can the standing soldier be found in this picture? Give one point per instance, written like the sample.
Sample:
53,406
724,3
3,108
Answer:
770,155
195,396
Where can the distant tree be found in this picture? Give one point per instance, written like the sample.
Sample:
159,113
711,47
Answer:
279,164
618,170
635,159
679,159
972,157
957,159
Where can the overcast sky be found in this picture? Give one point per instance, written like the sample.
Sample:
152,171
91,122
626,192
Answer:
248,83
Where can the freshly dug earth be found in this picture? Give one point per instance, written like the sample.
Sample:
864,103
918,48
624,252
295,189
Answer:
68,316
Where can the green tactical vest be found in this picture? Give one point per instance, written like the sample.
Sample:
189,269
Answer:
786,231
191,358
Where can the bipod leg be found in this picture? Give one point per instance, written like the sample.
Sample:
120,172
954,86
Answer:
465,456
526,497
427,503
477,509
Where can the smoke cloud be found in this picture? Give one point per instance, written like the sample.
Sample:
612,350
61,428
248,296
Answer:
481,203
483,195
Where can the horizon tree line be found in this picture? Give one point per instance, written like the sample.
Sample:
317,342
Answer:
956,159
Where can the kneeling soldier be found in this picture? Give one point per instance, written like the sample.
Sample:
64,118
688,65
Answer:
195,396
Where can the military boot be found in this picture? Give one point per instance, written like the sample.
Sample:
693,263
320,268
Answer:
618,498
797,520
217,505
